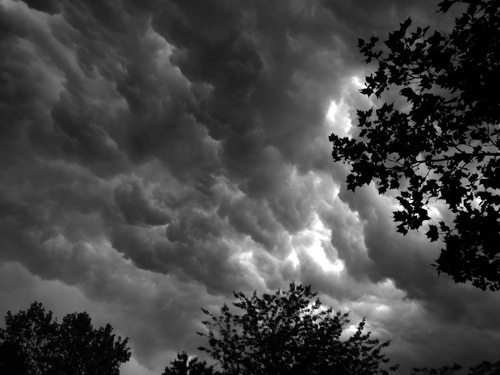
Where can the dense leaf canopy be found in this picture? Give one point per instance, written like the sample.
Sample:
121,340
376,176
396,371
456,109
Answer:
289,332
34,343
441,144
484,368
184,365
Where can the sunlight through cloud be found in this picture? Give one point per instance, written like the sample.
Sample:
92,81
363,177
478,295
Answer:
315,243
338,116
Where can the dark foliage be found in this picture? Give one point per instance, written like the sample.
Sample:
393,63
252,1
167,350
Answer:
185,366
444,143
484,368
446,370
35,343
289,332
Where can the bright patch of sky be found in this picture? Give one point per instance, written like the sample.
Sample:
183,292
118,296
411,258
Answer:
338,116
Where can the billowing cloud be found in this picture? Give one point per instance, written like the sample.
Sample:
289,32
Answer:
157,155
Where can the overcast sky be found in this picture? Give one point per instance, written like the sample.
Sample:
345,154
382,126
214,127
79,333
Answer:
156,155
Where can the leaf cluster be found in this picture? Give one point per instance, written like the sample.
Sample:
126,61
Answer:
35,343
484,368
289,332
442,144
184,365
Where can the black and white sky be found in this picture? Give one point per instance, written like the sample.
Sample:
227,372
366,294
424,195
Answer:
156,155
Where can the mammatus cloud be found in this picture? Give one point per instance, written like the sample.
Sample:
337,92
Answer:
157,155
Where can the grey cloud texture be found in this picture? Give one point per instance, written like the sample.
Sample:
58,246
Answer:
157,155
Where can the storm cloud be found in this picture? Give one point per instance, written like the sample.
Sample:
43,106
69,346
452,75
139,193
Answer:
157,155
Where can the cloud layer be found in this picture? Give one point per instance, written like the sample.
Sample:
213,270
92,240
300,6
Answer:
157,155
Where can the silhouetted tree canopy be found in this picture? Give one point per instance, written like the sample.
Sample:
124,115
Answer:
484,368
184,365
289,332
35,343
442,143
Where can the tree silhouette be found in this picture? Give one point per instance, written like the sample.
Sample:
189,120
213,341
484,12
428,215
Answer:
35,344
185,366
289,332
446,370
484,368
442,143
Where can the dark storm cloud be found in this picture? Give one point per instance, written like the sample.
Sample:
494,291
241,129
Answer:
257,68
47,6
136,208
157,155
